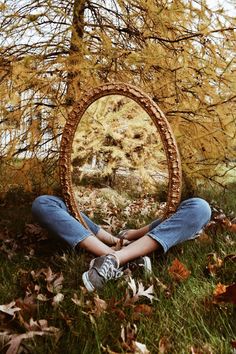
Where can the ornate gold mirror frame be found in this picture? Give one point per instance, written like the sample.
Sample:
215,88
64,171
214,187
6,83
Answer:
161,123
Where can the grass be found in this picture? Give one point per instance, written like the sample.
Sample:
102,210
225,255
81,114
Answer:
183,319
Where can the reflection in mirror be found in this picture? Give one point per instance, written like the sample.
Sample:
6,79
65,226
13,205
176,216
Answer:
119,168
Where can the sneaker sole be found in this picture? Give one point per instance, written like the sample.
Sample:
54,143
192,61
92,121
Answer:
147,265
88,285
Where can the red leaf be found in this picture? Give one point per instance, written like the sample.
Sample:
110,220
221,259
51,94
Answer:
142,310
120,313
228,294
233,343
178,271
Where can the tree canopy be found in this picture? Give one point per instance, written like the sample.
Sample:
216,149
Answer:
182,53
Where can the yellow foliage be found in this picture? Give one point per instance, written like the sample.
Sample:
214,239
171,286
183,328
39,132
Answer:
180,53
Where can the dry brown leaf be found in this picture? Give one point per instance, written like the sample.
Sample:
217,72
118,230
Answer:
164,345
119,313
77,301
213,267
4,338
229,225
35,230
16,340
160,284
225,294
28,304
231,257
128,340
219,289
142,310
204,238
57,284
100,306
233,343
128,336
178,271
232,228
204,350
53,280
10,308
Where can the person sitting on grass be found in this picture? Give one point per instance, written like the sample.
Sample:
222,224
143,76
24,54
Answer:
190,217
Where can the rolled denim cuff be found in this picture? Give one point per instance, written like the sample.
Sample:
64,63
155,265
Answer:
154,224
92,226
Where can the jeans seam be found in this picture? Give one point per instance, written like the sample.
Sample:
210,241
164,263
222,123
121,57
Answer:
157,239
75,243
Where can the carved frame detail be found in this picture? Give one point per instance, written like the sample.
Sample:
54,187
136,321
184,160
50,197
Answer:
161,123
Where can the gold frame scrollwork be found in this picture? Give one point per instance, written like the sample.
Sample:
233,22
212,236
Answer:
161,123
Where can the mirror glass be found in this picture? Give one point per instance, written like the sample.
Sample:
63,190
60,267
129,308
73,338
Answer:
118,164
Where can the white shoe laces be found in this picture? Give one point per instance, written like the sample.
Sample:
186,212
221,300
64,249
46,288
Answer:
109,271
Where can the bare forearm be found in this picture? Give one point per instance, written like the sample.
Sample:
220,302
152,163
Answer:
136,234
106,237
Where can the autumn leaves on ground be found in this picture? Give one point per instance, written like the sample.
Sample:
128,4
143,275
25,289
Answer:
186,306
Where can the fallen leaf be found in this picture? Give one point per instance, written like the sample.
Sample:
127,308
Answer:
108,350
28,304
57,284
140,291
129,343
100,306
231,257
132,285
140,348
42,297
164,345
15,342
230,227
76,300
54,280
142,310
128,336
149,293
178,271
233,343
4,338
227,295
57,298
9,308
219,289
213,267
119,313
204,350
35,230
204,238
92,320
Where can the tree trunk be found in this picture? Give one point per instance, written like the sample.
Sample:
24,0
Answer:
75,52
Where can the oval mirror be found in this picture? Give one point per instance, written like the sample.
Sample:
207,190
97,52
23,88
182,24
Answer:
118,145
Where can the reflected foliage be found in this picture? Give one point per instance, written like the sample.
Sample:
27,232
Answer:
116,145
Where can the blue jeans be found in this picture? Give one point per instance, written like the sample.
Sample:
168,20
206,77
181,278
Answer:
191,216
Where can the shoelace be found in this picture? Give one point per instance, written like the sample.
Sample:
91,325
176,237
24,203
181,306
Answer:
108,270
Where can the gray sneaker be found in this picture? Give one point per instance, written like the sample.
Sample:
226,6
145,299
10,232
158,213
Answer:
100,271
140,262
